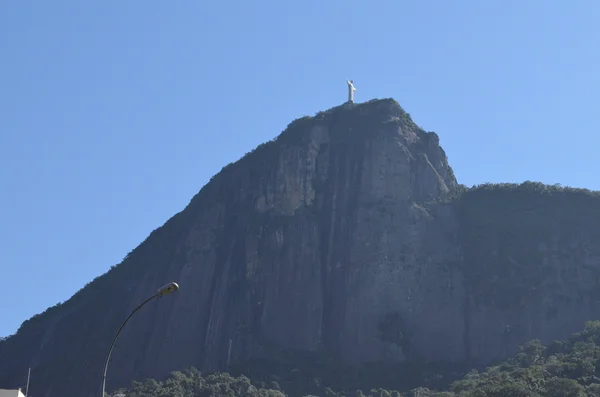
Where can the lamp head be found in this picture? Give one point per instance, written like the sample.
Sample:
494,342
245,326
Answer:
167,289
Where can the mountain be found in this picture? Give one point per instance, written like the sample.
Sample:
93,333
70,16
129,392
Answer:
567,368
345,239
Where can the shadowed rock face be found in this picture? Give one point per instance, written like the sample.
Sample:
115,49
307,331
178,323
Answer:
332,239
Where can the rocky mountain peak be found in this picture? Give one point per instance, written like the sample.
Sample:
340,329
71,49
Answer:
391,158
328,243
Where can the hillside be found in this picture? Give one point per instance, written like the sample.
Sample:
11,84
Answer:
569,368
344,243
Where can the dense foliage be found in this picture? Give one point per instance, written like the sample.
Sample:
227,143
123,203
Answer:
190,383
562,369
521,224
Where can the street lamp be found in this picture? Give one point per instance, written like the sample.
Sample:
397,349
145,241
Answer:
165,290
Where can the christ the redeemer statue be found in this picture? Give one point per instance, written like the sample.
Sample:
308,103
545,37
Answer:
351,90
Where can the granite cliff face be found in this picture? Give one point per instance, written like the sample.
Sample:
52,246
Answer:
347,236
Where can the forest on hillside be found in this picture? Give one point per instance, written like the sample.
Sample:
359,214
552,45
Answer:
568,368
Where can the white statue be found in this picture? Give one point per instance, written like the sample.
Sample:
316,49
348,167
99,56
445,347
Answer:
351,90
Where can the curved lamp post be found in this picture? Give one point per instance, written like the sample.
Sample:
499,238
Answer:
167,289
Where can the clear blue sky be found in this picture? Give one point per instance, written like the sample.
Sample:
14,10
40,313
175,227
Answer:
113,114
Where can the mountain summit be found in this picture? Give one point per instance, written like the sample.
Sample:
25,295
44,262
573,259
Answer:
346,237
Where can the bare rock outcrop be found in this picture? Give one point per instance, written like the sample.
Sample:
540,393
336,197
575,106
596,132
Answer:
346,236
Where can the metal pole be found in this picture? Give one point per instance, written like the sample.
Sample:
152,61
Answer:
112,345
167,289
28,376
